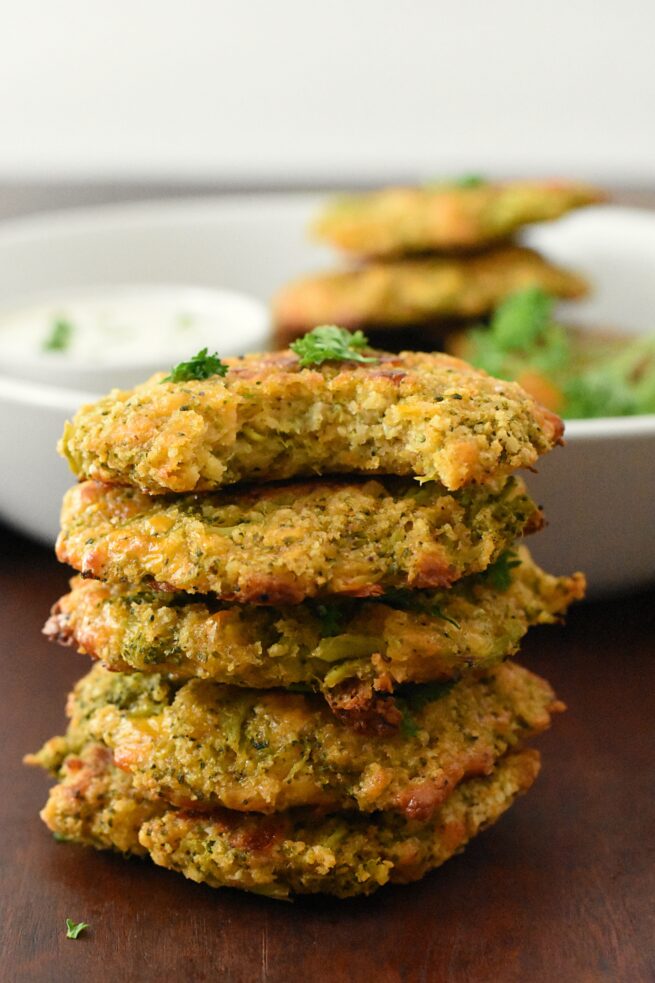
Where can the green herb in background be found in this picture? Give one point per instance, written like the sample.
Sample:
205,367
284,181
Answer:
201,366
621,383
470,181
74,929
330,343
60,336
589,376
464,181
598,393
520,321
521,335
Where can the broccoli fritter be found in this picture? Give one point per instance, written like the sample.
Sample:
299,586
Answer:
443,217
413,636
430,416
289,853
282,544
205,745
96,803
419,291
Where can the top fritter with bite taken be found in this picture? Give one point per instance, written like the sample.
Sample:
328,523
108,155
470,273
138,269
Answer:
445,217
323,408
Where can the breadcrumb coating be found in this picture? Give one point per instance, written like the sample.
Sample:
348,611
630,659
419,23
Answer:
430,416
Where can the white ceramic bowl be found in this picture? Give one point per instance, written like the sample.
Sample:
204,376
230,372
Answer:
598,492
123,333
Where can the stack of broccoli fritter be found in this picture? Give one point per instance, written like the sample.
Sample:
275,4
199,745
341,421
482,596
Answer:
430,258
301,682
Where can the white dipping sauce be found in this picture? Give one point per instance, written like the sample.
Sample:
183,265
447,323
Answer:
117,336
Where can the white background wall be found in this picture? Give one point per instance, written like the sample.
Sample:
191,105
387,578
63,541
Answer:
285,90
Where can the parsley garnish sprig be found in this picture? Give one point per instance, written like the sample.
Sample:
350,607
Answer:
328,343
200,366
73,929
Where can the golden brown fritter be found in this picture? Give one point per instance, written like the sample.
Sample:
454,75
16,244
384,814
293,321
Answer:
419,291
282,544
443,217
289,853
96,803
431,416
410,637
204,745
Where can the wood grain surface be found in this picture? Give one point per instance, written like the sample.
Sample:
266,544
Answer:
561,889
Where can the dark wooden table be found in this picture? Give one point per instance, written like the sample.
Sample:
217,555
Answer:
561,890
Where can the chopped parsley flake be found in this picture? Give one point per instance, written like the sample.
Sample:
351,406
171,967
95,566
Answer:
436,612
330,343
419,695
201,366
74,929
331,618
412,698
499,574
60,336
408,726
417,602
